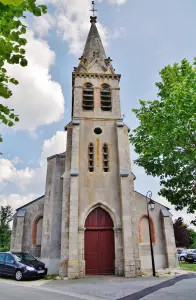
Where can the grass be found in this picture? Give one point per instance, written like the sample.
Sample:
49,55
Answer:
188,266
51,277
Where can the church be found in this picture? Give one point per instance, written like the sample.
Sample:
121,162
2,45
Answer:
91,221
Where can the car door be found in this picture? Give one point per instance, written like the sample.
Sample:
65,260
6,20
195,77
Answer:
2,262
10,264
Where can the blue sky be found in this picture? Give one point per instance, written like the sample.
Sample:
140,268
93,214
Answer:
140,36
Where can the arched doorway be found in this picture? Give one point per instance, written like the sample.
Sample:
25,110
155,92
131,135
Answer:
37,235
99,243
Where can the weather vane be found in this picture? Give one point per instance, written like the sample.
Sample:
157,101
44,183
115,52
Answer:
93,9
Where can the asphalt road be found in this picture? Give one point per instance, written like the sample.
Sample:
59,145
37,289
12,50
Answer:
178,288
184,290
10,291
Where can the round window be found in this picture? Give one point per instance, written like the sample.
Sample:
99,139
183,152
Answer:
97,130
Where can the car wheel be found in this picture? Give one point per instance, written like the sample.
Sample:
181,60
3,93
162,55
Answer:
182,258
18,275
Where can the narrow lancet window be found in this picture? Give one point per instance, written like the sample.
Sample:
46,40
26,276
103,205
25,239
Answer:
88,97
91,157
105,158
106,99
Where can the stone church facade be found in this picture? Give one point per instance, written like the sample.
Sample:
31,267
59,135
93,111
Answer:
91,220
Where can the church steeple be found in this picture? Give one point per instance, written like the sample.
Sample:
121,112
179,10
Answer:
94,46
94,52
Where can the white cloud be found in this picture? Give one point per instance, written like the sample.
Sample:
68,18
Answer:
42,25
118,2
57,144
10,174
15,200
38,100
30,181
71,21
115,2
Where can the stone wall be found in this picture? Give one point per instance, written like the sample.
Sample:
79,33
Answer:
24,227
51,235
160,239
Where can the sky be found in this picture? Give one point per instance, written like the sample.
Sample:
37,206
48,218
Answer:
140,36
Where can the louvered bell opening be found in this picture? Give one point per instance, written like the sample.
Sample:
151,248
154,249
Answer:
105,158
91,158
88,98
106,102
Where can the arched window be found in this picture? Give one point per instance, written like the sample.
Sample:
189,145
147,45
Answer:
91,157
106,99
144,230
105,158
37,231
88,97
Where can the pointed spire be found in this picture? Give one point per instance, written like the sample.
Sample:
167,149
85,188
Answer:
94,52
94,46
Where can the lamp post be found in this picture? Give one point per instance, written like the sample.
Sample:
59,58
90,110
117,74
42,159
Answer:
150,205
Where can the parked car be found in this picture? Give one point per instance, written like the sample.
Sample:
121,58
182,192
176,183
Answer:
21,265
191,256
183,255
180,250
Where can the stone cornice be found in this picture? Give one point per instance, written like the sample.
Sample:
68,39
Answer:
96,87
96,75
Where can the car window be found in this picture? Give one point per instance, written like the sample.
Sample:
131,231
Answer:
18,255
9,258
17,258
2,257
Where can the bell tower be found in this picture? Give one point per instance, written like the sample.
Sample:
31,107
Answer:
98,184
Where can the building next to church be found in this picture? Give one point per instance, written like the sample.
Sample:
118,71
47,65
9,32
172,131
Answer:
91,220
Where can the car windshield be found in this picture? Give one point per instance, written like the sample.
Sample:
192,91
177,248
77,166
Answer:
27,256
17,258
24,256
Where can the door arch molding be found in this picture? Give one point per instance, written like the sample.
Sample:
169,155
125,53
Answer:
105,207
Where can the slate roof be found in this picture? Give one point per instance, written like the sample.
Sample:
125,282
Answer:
93,44
31,202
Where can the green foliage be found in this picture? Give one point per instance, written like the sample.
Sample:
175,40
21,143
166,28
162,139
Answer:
181,233
12,51
184,236
192,238
11,2
187,266
5,232
166,136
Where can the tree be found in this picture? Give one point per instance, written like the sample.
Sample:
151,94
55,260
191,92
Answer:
166,136
11,2
5,232
12,42
181,233
192,238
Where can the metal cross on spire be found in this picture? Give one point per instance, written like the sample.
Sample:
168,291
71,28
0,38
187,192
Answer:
93,9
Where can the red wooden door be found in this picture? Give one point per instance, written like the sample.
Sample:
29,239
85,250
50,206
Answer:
99,243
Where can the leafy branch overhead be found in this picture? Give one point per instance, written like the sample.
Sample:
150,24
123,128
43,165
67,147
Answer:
166,136
11,2
12,47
